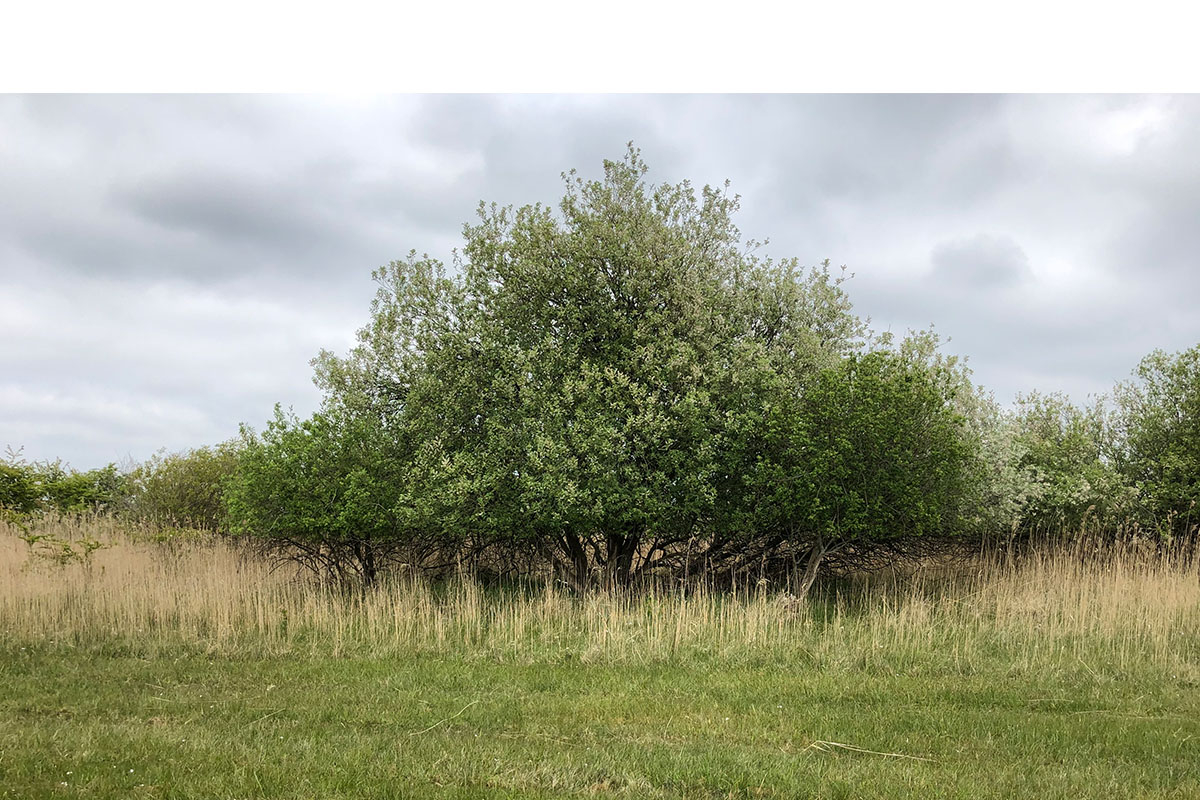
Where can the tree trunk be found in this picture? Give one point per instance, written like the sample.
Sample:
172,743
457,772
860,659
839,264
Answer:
619,559
802,583
577,557
365,553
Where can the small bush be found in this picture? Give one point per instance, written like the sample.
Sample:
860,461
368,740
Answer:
31,487
183,490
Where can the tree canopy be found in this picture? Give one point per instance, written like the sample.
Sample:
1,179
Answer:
617,385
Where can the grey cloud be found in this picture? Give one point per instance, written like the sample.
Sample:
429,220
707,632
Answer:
1020,336
981,261
229,208
123,368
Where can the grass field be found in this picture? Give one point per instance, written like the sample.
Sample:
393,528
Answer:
181,669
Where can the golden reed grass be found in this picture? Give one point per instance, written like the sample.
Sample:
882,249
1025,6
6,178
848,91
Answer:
1051,610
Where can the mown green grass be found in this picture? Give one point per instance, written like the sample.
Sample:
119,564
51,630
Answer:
107,723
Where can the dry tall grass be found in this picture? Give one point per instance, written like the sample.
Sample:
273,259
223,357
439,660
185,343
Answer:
1052,611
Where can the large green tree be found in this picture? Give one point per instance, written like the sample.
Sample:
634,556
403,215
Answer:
610,385
582,378
621,342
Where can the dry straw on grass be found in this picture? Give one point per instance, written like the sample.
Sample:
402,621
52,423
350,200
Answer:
1051,611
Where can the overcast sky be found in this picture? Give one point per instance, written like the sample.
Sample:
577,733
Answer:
169,265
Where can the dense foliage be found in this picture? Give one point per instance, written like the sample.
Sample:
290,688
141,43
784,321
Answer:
32,487
326,490
617,388
1157,439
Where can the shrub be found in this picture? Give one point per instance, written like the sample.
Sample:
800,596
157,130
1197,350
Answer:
1156,441
183,489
